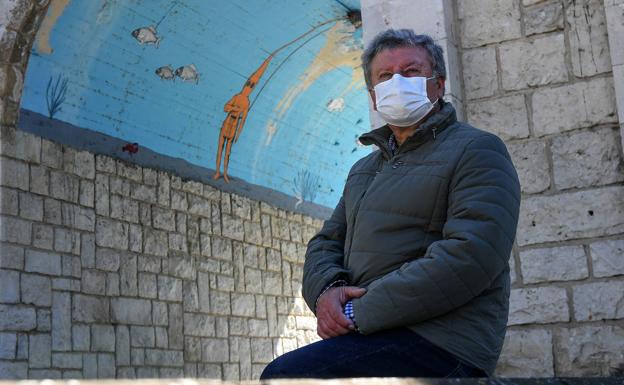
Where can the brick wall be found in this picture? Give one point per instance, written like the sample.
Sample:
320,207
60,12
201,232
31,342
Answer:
538,74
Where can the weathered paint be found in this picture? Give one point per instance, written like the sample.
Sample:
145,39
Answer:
43,35
113,86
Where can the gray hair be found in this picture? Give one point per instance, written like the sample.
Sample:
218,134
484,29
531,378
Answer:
393,38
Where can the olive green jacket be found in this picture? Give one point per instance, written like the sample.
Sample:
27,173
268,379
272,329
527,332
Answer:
428,232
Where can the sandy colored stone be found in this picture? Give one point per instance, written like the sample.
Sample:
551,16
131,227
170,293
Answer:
488,21
589,47
589,351
599,301
539,305
531,163
543,18
607,257
479,70
526,353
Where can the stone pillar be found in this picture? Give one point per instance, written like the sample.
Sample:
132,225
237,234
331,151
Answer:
434,18
614,9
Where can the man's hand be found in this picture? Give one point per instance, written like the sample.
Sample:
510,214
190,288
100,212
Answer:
330,319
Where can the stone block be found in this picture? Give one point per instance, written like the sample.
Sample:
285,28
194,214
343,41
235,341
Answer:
105,164
219,302
131,311
573,106
135,238
8,346
66,241
526,353
102,338
243,305
124,209
531,162
164,219
67,360
261,350
192,349
64,186
155,242
199,206
112,284
607,257
162,338
164,189
9,286
192,186
40,351
479,70
241,207
598,301
259,328
179,201
225,283
176,326
530,63
84,164
199,325
589,351
159,313
581,214
102,195
143,193
488,21
215,350
36,290
87,252
221,248
129,171
553,264
90,309
106,365
112,234
169,288
31,206
43,236
231,372
538,305
44,322
81,338
9,201
107,259
164,357
232,227
89,363
589,46
14,174
142,336
272,283
11,257
52,211
51,155
39,180
13,317
543,18
43,262
15,230
128,275
209,371
614,11
147,287
62,321
587,158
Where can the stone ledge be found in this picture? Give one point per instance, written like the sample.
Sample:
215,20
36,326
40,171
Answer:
350,381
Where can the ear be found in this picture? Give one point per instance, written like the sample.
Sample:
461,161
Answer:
441,82
371,92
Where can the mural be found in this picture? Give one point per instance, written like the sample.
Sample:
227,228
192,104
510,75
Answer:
190,78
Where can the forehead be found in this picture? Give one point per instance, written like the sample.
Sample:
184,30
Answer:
399,57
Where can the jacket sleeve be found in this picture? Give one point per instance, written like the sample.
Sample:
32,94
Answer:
482,215
324,256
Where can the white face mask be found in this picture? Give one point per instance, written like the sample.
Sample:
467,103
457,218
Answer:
403,101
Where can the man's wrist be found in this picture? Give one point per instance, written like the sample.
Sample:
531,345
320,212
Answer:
336,283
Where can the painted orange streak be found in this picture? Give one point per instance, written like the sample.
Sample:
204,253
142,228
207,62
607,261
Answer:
43,36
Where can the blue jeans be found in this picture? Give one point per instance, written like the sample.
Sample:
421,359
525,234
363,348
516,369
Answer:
391,353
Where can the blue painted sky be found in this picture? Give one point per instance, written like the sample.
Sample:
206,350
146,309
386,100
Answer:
307,117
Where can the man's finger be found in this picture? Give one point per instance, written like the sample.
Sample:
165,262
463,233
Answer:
339,318
354,292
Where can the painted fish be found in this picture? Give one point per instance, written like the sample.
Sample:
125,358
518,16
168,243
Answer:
146,35
188,73
165,72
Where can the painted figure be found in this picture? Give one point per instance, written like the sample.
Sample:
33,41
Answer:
237,109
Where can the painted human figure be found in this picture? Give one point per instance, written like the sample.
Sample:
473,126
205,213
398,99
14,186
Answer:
237,109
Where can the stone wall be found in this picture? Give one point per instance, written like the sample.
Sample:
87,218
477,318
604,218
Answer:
538,74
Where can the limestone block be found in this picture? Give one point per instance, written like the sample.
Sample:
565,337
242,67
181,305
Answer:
526,353
190,297
31,207
142,336
543,18
598,300
261,350
553,264
531,162
8,345
102,338
131,311
243,305
124,209
225,283
488,21
107,260
231,372
241,207
258,328
102,195
607,257
178,242
529,63
44,323
192,349
64,186
221,248
479,69
155,242
128,275
135,238
129,171
232,227
8,201
14,174
589,46
169,288
178,200
40,347
272,283
11,257
36,290
587,158
61,321
589,351
573,106
9,286
105,164
143,193
160,316
215,350
204,293
90,309
112,234
84,165
67,360
199,325
199,206
581,214
51,155
17,318
81,337
22,347
39,180
253,281
279,228
505,117
89,363
43,262
15,230
538,305
77,217
614,11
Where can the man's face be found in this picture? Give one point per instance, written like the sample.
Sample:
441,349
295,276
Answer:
407,61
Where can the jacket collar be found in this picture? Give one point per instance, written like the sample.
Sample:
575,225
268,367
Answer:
428,130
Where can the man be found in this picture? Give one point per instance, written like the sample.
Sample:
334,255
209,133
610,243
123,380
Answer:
410,276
